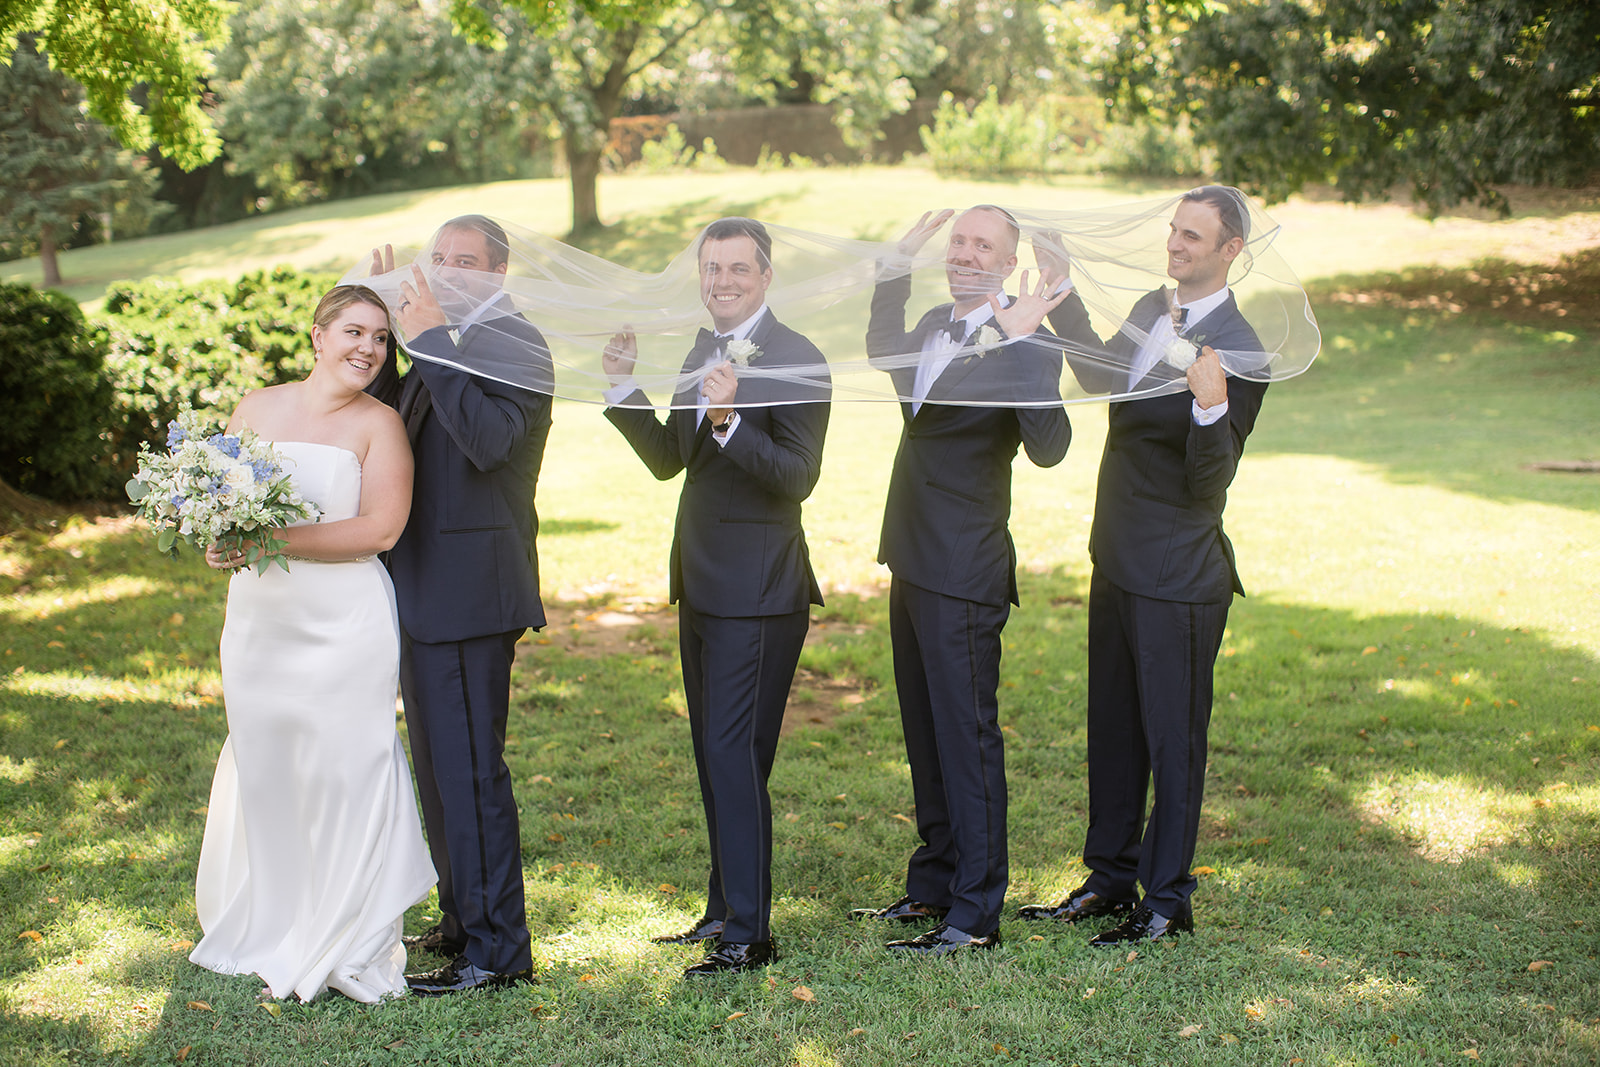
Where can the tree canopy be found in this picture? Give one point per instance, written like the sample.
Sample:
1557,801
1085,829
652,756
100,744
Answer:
157,50
1448,97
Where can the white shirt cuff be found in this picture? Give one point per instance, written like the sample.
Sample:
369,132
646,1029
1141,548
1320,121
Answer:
1207,416
733,424
618,393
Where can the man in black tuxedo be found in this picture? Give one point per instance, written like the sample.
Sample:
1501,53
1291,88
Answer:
1164,572
466,579
740,572
947,543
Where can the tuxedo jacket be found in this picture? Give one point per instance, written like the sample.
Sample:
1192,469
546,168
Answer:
467,564
738,548
1163,479
946,520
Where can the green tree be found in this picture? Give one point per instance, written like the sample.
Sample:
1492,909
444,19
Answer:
57,164
326,99
1449,97
158,49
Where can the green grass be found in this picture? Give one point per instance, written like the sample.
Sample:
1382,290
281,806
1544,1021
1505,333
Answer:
1404,784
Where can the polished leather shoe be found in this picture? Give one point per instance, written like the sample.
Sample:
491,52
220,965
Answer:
729,956
1146,925
943,940
1079,905
433,940
460,975
904,910
704,930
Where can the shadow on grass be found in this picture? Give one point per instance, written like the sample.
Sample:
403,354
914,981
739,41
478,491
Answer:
1463,401
1380,854
649,242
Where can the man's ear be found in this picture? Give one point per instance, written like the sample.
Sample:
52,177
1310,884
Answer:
1231,249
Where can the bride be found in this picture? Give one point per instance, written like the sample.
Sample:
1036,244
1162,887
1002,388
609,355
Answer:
313,850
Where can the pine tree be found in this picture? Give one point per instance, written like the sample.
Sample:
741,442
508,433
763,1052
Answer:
56,163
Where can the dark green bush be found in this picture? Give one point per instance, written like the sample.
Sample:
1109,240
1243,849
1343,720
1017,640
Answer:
54,396
203,344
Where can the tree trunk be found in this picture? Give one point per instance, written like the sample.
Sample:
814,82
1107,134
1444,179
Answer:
47,258
583,172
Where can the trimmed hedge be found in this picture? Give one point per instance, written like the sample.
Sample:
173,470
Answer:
77,398
54,396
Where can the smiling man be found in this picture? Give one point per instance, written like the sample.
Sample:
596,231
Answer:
740,572
1164,571
947,541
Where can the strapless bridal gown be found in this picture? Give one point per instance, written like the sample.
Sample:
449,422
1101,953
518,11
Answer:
313,850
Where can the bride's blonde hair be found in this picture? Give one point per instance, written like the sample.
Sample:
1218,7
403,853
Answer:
340,297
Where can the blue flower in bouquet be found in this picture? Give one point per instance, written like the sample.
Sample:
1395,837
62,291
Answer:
264,469
227,444
176,435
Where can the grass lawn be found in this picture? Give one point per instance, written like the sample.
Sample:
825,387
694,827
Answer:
1401,837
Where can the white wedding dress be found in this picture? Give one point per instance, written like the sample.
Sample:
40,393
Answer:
313,850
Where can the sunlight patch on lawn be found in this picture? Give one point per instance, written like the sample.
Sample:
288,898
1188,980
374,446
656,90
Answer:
79,533
1518,875
17,773
102,967
185,689
44,603
1442,818
812,1054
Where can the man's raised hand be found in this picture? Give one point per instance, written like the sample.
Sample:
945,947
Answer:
620,354
418,310
1028,310
925,228
382,260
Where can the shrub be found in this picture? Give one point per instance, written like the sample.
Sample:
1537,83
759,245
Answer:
673,152
203,344
1153,149
1035,136
54,396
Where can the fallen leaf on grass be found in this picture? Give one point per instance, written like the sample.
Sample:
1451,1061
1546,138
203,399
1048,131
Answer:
1036,937
61,743
1191,1030
667,887
585,977
1131,957
30,935
199,1005
902,818
1253,1013
182,946
1002,1049
1227,1039
273,1010
802,993
182,1054
1539,965
555,838
391,1046
837,825
1469,1053
1200,872
857,1032
737,1015
1369,650
1087,993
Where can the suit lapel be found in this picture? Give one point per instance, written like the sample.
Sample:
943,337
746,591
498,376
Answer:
692,429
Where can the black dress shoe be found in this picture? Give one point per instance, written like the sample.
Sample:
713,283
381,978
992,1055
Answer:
943,940
729,956
433,940
904,910
460,975
704,930
1146,925
1080,904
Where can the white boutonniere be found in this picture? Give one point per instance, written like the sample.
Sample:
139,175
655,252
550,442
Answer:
1180,353
988,338
742,351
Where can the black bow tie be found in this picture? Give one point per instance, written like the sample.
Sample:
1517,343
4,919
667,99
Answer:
1183,317
957,331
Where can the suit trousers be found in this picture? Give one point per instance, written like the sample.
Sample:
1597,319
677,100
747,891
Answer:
456,696
947,673
1150,667
736,678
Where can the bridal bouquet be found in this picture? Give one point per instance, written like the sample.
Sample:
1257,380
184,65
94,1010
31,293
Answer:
215,487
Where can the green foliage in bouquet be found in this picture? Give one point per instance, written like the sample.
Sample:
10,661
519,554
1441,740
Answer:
54,396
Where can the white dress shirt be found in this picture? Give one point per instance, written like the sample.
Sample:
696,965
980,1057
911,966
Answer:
1162,334
938,349
618,393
